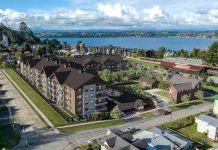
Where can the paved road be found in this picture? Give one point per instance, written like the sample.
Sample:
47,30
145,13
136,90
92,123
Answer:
70,141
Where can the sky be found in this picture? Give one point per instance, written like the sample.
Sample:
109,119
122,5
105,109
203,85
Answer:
111,14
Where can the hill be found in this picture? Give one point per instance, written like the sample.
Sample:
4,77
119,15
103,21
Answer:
18,37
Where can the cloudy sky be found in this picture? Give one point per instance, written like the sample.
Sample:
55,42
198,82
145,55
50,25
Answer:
111,14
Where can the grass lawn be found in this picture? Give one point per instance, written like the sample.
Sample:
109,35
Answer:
145,63
46,109
191,132
163,93
9,137
92,126
147,114
89,146
183,105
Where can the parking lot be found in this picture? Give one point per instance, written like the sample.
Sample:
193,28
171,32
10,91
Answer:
22,114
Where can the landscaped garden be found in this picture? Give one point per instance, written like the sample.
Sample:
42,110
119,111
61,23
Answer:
45,108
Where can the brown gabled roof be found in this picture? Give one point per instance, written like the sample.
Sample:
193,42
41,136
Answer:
32,62
76,79
177,79
61,76
49,70
183,86
147,80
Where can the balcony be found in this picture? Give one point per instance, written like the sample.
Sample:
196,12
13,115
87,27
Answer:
101,103
101,109
101,91
101,95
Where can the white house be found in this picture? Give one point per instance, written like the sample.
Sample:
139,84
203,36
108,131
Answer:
209,125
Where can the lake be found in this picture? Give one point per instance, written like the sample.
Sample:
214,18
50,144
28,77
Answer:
144,42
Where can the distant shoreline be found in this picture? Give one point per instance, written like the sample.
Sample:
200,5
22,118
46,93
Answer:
92,34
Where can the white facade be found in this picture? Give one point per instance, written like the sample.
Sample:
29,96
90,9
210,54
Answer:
209,125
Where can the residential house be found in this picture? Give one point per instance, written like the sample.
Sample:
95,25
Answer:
148,82
209,125
80,92
168,140
155,139
180,86
96,63
115,142
127,102
215,106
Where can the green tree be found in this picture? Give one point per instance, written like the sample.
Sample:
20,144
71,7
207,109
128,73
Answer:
212,54
211,82
161,52
116,113
26,47
105,75
185,99
78,45
199,95
163,85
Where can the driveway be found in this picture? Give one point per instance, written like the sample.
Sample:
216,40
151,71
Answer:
161,101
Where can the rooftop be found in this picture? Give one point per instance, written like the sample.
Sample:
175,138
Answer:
210,120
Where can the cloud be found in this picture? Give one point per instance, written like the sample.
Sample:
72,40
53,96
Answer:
108,15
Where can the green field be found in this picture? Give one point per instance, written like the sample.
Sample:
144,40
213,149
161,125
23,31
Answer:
147,114
92,126
145,63
45,108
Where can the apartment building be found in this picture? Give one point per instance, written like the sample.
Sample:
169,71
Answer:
96,63
80,92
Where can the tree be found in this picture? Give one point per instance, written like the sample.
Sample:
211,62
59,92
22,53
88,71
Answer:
211,82
116,113
212,54
161,52
105,75
78,45
199,95
163,85
185,99
26,47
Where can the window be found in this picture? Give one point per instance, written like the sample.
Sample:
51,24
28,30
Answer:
86,90
92,95
86,109
86,95
79,96
91,89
